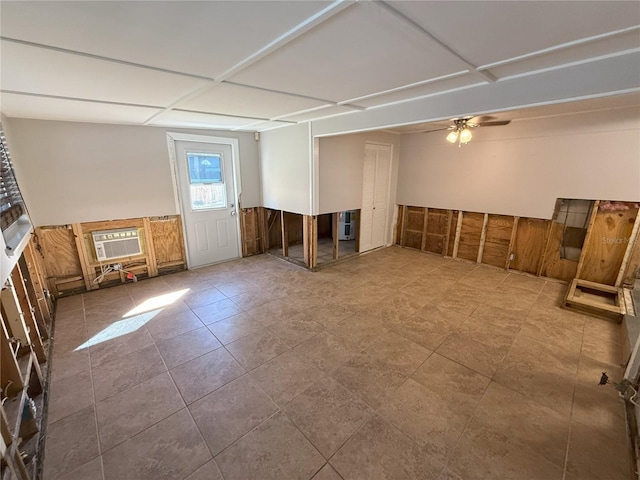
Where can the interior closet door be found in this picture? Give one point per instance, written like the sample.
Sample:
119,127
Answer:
375,196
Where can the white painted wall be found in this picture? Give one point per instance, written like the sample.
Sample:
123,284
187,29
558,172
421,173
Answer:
520,169
286,169
341,163
78,172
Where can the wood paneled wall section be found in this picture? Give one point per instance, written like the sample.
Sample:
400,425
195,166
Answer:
605,247
253,229
611,253
70,263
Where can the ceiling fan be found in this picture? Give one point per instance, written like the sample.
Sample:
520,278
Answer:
460,131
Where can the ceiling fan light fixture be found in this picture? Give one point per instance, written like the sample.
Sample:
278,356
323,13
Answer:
453,136
465,136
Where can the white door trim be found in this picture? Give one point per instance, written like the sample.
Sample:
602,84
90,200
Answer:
233,143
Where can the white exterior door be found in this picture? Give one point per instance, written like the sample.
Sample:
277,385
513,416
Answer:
208,201
375,196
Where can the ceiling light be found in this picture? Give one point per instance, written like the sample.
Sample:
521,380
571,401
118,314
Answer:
465,135
453,136
460,131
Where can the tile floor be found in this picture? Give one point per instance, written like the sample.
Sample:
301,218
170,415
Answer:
392,365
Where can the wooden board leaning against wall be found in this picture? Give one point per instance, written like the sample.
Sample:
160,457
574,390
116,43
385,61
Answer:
610,254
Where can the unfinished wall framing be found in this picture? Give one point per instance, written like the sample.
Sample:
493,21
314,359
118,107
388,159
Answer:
25,319
610,254
70,260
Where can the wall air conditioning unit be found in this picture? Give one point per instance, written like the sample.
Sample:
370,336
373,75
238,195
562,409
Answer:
122,242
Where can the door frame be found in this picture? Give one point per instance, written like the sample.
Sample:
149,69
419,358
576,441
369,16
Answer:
233,143
374,143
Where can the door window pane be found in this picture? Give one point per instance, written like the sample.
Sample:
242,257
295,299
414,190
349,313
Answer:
207,189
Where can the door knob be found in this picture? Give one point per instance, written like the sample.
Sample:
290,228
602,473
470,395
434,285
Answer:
232,205
233,213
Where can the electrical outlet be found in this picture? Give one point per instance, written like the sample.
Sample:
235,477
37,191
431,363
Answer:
117,266
512,257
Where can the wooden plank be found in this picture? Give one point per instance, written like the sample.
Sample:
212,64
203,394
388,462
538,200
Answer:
405,214
310,240
587,239
37,280
605,248
32,296
633,239
334,234
456,243
262,229
445,246
544,250
59,250
152,263
27,311
512,240
633,266
9,370
88,273
424,229
470,235
554,266
483,237
357,223
167,239
12,314
285,234
498,235
531,237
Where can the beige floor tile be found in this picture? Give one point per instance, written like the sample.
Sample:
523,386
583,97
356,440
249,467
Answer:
275,450
483,454
482,352
65,305
426,418
172,448
295,329
378,450
286,376
166,326
209,471
603,329
401,354
129,412
326,351
114,345
231,411
105,295
204,374
89,471
327,473
257,348
233,328
456,384
71,442
69,395
203,297
594,456
250,300
274,311
327,414
543,356
369,377
126,371
187,346
533,284
522,420
65,364
603,350
216,311
600,408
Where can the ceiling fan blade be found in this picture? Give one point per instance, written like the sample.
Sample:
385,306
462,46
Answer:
497,123
436,130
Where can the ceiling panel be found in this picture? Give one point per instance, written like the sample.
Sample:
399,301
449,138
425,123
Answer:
177,118
50,72
488,31
248,102
263,126
602,47
434,88
25,106
317,113
360,51
202,38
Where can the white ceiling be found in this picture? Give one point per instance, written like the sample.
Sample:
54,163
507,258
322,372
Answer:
257,65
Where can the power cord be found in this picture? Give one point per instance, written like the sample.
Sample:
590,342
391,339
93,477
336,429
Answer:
623,387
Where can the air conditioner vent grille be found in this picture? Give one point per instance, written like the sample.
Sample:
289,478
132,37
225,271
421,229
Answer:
123,242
